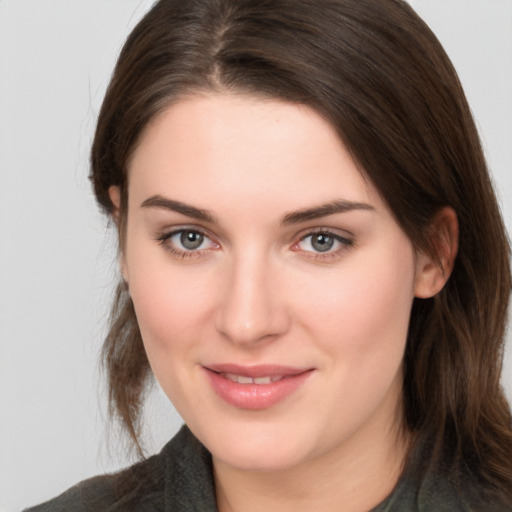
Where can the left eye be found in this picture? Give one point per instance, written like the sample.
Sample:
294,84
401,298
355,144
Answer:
322,242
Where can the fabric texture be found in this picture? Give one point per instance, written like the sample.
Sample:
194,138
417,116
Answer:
180,479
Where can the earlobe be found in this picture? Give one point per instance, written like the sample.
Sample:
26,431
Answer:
434,268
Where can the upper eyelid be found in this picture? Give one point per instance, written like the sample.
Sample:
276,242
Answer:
173,230
335,232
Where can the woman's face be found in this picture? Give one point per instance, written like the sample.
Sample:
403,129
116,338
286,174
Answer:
271,284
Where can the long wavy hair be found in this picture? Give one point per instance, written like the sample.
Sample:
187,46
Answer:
377,73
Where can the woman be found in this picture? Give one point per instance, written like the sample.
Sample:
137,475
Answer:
314,265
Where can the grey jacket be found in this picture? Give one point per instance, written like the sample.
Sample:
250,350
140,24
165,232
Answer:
180,479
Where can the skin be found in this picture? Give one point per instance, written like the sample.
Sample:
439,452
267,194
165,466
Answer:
258,291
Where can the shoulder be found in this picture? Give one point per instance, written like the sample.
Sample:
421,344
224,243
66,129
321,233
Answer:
460,492
448,485
142,481
178,476
457,491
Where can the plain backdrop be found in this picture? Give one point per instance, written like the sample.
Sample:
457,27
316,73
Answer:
57,254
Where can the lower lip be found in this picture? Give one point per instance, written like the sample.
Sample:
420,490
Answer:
255,396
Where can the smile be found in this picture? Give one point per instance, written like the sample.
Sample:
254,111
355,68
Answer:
255,387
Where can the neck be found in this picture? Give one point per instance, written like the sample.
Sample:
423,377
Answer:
354,477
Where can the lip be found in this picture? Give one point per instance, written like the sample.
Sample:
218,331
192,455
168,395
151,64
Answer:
255,396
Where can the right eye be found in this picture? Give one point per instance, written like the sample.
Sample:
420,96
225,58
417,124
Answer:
186,242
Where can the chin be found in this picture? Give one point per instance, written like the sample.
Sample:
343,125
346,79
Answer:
267,458
256,447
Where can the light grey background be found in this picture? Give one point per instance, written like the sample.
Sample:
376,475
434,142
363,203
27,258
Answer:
57,257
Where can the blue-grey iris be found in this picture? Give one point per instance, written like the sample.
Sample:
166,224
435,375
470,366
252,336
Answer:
191,239
321,242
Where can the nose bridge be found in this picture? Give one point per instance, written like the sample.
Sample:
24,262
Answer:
251,309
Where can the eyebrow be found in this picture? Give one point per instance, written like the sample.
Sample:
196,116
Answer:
179,207
323,210
295,217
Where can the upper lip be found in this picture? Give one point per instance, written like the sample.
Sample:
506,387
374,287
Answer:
261,370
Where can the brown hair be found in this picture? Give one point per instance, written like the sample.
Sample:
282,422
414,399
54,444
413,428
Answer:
377,73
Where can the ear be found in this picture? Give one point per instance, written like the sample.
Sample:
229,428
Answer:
433,270
115,196
114,193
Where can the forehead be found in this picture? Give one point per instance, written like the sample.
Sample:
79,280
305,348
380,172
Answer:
221,146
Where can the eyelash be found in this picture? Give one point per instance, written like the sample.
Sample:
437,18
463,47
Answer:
345,244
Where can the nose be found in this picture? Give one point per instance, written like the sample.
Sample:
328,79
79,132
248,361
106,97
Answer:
252,307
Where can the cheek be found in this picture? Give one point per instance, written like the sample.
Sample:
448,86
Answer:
172,304
361,310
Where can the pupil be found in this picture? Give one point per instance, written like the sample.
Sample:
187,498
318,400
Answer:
191,239
322,243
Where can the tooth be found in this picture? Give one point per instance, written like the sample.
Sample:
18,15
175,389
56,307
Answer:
262,380
242,379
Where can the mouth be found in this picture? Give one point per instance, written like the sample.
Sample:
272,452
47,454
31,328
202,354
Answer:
255,387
